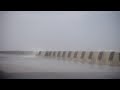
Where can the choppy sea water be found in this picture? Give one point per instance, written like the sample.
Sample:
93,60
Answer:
32,67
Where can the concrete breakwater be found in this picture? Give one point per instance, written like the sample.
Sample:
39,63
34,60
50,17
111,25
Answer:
94,57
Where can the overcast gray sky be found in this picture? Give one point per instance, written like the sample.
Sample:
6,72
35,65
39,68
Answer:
62,30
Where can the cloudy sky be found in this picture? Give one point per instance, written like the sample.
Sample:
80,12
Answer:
62,30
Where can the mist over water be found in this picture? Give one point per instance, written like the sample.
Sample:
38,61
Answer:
41,67
62,31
